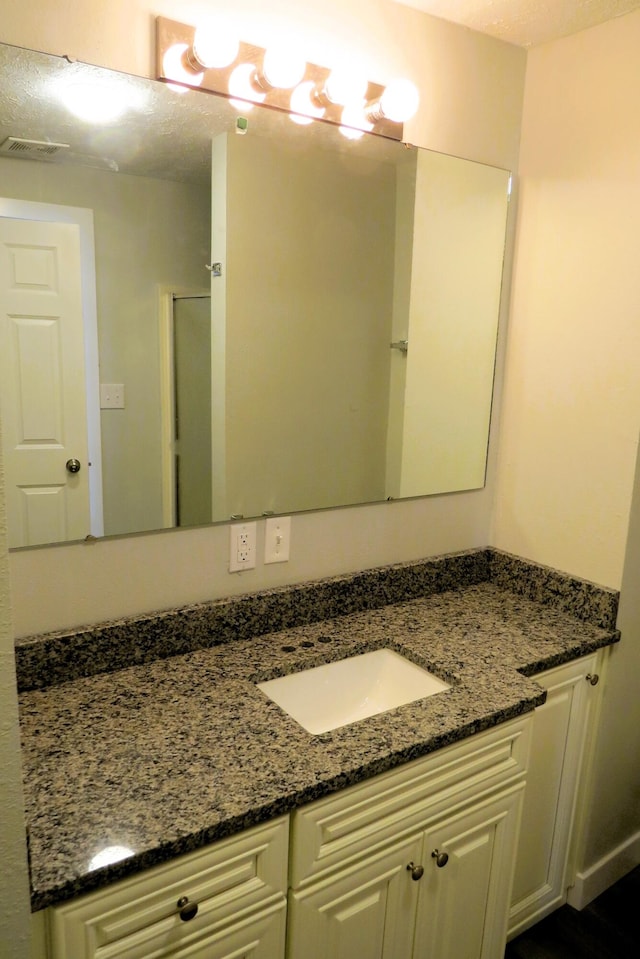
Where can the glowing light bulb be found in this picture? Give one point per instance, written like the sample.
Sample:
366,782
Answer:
354,122
283,67
400,100
345,86
240,86
174,68
304,110
214,48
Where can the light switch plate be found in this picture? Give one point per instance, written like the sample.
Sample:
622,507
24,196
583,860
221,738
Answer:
277,539
112,396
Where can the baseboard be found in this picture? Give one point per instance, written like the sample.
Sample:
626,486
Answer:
591,882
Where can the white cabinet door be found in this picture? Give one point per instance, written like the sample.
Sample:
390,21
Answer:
464,901
559,732
364,912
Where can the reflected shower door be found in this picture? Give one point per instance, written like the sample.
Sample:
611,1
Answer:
192,371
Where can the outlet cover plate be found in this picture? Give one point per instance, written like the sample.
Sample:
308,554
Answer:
242,547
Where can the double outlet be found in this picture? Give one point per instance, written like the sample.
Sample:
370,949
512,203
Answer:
243,543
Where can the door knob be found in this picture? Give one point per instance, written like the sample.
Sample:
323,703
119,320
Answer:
417,872
441,858
73,466
592,679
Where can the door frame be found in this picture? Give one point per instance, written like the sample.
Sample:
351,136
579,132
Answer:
166,295
82,217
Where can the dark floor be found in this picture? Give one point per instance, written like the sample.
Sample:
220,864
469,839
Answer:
608,928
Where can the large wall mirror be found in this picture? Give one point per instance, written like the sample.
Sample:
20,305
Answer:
199,323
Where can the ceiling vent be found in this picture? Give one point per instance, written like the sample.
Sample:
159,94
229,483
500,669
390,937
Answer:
32,149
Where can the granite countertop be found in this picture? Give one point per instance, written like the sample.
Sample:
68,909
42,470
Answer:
166,756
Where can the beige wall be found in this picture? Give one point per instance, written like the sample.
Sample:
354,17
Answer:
571,402
147,232
571,407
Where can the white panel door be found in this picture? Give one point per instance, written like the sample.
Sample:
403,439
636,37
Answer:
364,912
464,901
559,732
42,382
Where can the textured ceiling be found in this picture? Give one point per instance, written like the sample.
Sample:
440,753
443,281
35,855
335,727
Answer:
525,22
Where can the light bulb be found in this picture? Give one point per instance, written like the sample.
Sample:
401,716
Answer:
283,67
240,85
213,48
345,86
174,68
304,110
399,101
354,122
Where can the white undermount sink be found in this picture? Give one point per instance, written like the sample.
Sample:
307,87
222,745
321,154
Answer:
340,693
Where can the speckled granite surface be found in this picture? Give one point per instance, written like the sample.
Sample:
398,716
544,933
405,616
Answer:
165,756
579,597
59,657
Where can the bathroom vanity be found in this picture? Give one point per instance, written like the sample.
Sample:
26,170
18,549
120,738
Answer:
402,828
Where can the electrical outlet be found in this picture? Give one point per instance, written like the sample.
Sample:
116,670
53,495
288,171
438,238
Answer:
277,539
242,547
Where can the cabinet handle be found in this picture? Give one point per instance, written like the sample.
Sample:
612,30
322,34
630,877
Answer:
592,678
187,909
417,872
441,858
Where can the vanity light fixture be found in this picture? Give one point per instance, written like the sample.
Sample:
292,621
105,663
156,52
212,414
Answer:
354,122
279,77
177,65
303,107
211,48
399,102
281,68
241,88
344,87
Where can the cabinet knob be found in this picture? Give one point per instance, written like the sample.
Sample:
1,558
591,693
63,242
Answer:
187,909
441,858
592,678
417,872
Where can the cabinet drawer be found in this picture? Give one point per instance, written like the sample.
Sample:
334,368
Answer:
138,918
333,830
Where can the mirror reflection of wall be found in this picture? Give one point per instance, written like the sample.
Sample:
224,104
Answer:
309,273
452,326
332,250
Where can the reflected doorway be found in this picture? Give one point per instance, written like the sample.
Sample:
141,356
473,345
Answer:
192,408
